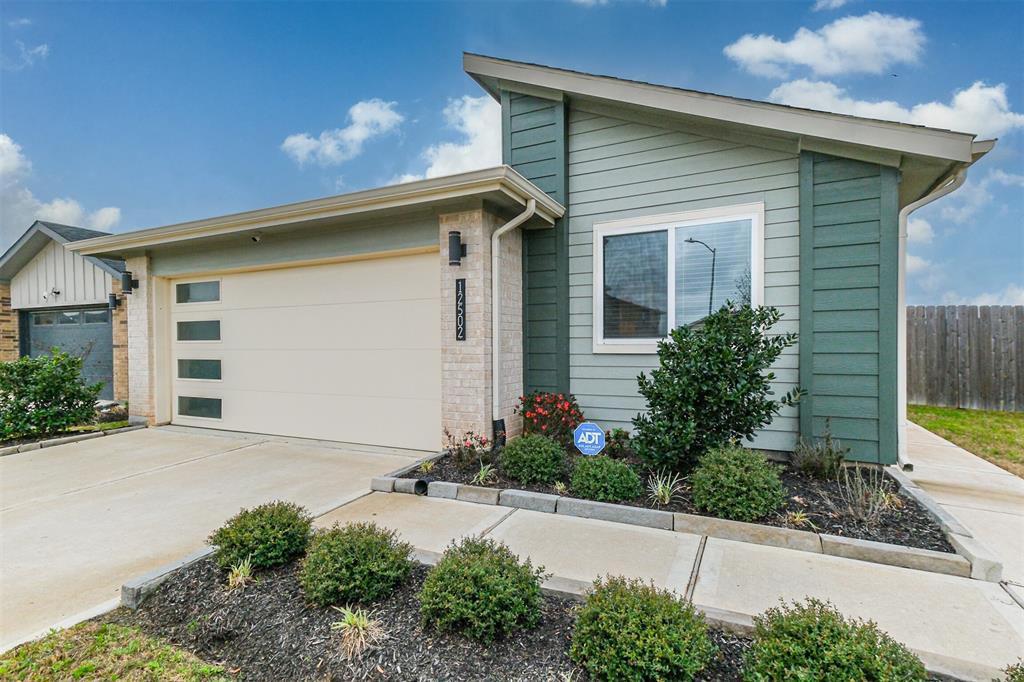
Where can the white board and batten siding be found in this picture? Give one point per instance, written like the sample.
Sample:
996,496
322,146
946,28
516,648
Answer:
620,168
79,280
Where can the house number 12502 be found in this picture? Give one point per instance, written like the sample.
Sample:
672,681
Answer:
460,310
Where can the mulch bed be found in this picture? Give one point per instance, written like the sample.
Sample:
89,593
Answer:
910,525
268,631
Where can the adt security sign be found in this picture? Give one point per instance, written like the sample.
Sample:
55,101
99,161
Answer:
589,438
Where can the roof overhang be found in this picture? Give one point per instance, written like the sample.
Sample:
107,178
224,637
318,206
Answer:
923,154
500,186
28,246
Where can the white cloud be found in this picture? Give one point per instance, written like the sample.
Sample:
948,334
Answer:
19,207
1013,294
20,22
871,43
964,204
27,56
919,231
981,109
916,264
367,119
478,120
828,4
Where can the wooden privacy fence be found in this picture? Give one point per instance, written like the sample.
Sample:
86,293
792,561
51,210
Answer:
966,356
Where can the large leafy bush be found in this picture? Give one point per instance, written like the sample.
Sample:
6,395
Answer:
533,458
711,387
481,588
44,395
555,415
605,479
735,483
632,631
268,535
358,562
812,641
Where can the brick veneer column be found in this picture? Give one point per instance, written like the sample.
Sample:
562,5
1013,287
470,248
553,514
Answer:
140,342
119,328
8,325
511,312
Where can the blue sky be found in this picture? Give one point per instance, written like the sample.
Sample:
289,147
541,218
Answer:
130,115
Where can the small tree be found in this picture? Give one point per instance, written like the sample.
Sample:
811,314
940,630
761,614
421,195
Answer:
712,386
44,395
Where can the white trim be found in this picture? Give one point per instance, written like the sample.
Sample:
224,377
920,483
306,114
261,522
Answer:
667,222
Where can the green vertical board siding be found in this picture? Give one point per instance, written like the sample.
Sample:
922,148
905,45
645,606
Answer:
621,166
848,303
534,143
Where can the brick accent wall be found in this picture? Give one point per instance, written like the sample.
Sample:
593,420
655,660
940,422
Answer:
139,326
466,365
8,325
119,328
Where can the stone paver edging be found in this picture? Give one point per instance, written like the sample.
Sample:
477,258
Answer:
36,445
971,560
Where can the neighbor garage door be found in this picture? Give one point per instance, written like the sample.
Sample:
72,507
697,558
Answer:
346,351
82,332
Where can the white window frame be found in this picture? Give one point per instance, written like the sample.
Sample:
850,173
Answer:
656,223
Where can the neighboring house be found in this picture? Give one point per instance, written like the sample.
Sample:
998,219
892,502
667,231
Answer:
353,318
51,297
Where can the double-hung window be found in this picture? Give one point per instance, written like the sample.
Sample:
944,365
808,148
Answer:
656,273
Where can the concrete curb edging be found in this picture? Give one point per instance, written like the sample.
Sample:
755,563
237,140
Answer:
971,559
941,516
135,591
62,440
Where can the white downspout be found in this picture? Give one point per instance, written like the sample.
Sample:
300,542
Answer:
950,185
528,212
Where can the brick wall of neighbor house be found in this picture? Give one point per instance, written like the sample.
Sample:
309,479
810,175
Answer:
466,365
8,326
140,342
119,329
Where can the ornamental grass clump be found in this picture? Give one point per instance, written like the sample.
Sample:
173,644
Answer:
354,563
533,458
629,630
811,640
735,483
605,479
712,386
268,535
480,588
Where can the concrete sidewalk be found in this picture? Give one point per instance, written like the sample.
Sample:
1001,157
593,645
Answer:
965,628
987,500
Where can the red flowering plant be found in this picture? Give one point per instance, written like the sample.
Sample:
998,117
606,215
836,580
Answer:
555,415
468,450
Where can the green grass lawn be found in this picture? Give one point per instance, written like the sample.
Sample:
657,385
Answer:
103,426
995,436
94,651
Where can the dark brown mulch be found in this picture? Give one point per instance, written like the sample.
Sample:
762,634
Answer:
910,524
268,631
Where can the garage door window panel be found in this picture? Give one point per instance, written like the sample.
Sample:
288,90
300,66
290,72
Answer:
68,317
95,317
43,319
197,292
194,406
206,370
199,330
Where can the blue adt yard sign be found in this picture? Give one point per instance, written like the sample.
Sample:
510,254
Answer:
589,438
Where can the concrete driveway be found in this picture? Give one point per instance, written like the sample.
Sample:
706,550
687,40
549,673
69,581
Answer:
77,520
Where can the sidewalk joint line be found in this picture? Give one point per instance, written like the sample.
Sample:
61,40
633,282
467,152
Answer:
691,586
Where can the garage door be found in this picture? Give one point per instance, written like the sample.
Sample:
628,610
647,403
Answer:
347,351
82,332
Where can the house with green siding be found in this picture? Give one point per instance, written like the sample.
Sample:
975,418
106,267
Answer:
620,211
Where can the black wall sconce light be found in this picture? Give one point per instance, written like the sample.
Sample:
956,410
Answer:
456,249
127,283
113,301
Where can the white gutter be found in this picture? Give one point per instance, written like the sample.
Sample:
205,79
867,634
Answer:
531,209
950,184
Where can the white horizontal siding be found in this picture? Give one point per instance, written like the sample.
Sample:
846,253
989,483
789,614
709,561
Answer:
621,169
79,281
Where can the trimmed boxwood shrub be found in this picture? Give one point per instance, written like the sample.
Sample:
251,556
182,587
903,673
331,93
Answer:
355,563
630,630
812,641
44,395
605,479
268,535
735,483
481,588
532,458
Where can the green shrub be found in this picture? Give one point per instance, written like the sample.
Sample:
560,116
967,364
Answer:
629,630
812,641
605,479
44,395
469,451
268,535
1015,672
555,415
822,458
618,443
358,562
712,386
481,588
532,458
736,483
